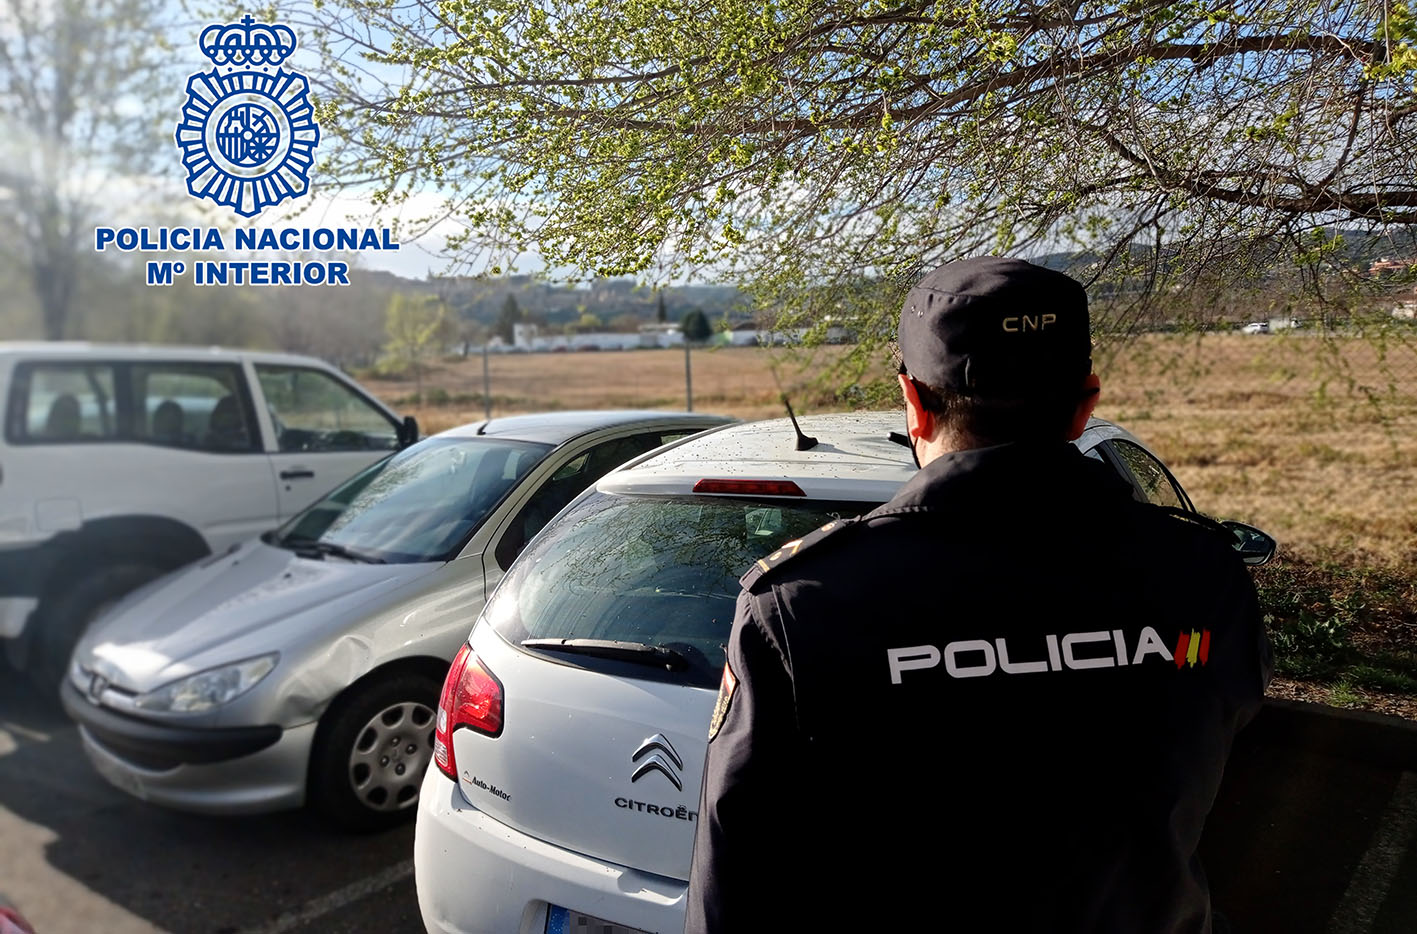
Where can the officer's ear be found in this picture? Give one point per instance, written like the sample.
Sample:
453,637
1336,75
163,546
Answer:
1092,389
919,421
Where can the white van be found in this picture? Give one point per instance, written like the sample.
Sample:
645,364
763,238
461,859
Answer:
121,463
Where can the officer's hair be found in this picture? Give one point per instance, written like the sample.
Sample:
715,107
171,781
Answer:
980,422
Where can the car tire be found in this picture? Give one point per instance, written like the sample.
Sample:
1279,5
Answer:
371,750
59,625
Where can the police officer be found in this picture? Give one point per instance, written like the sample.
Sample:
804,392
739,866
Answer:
1002,701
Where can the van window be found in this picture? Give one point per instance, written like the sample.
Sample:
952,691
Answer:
200,406
313,411
62,403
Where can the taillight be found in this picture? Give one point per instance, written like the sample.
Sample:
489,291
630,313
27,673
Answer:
749,487
472,697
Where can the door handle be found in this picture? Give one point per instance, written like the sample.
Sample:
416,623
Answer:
297,473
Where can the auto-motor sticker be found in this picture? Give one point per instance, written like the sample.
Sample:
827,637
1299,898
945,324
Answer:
490,789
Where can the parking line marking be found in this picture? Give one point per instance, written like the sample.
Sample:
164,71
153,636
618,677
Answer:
339,898
32,735
1369,885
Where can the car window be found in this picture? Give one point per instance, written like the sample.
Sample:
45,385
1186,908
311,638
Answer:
418,505
656,570
200,406
575,467
1156,486
313,411
61,403
569,481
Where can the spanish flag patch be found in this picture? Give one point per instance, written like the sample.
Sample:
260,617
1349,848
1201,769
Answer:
725,697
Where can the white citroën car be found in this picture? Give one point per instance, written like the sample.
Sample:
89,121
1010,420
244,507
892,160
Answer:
572,728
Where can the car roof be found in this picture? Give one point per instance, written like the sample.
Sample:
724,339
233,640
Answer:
559,427
166,352
854,458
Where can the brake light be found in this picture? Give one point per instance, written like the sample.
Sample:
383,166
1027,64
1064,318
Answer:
749,487
472,697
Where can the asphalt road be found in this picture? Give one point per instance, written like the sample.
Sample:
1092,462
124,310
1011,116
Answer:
1302,841
78,856
1298,842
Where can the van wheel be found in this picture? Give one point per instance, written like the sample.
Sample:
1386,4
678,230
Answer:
371,751
57,628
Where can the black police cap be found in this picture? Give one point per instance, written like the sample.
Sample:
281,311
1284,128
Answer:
997,327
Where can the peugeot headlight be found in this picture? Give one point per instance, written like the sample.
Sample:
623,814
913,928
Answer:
210,688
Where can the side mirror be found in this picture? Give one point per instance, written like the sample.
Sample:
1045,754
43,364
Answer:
1255,547
408,431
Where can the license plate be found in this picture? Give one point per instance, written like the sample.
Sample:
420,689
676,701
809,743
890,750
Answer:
564,921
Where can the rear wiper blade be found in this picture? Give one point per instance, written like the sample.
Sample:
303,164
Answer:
638,653
331,548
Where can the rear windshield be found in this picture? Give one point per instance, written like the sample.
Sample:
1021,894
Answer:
659,571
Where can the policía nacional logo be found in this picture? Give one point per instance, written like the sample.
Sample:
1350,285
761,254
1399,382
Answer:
247,135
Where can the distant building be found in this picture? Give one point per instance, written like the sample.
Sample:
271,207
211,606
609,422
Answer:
745,337
656,334
1390,266
528,338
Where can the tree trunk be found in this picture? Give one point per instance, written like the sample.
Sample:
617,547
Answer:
54,307
55,266
54,287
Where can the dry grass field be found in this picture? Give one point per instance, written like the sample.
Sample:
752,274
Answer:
1315,441
1261,428
734,381
1240,419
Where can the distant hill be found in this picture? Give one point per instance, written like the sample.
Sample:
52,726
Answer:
482,299
1359,249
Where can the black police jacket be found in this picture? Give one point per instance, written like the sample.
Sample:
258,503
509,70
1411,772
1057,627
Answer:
1001,702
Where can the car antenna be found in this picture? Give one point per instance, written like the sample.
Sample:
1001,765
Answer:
804,442
482,429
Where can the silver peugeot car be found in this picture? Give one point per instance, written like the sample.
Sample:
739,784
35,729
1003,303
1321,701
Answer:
306,666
